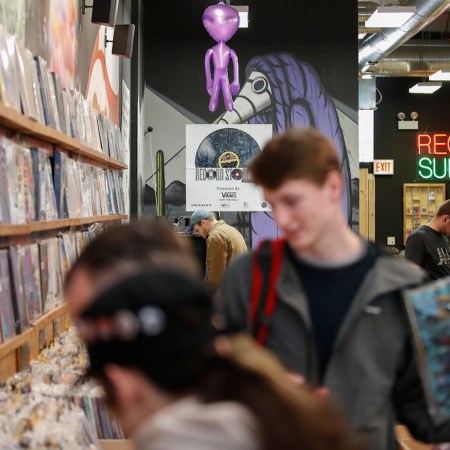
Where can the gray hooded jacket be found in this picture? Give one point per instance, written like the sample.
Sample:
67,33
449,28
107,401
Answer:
371,372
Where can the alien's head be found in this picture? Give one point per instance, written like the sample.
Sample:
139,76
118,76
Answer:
221,21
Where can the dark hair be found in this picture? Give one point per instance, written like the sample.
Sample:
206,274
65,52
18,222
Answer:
444,209
137,245
288,416
297,154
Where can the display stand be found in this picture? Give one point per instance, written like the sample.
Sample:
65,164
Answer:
420,202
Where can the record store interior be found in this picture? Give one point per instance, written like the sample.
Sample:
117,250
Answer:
130,137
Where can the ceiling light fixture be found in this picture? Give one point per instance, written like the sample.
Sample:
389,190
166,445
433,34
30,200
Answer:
440,75
390,16
426,87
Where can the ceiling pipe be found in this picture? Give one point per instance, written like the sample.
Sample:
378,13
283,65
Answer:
377,46
416,58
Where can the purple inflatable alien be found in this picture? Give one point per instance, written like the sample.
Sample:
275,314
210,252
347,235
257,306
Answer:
221,22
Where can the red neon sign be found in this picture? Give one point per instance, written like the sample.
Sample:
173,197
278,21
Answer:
433,144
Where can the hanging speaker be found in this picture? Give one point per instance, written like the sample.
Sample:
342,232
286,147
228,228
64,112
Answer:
123,40
104,12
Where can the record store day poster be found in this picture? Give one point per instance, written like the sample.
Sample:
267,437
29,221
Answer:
217,157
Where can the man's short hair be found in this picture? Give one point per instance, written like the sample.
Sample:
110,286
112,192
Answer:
444,209
297,154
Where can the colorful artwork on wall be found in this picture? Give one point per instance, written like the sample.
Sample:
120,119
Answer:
62,42
103,81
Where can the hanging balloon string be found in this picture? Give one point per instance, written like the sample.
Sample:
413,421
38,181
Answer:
149,131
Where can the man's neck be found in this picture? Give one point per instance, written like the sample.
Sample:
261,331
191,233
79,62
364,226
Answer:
342,245
435,225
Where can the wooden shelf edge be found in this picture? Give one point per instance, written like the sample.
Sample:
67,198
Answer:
116,444
28,228
17,341
10,118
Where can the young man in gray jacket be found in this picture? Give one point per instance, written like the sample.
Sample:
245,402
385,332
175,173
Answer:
338,317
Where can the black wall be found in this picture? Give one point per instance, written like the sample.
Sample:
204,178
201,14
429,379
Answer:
324,35
400,145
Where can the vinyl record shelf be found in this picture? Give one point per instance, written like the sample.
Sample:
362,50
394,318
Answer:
34,227
16,121
17,352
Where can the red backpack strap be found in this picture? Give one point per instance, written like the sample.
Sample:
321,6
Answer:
267,262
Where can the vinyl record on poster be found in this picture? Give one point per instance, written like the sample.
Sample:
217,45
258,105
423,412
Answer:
226,148
236,174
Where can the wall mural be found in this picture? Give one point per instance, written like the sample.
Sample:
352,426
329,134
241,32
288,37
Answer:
62,40
285,92
103,82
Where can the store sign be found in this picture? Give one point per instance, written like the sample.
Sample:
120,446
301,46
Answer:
383,167
433,156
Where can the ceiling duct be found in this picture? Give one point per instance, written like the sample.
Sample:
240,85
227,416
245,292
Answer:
377,46
416,58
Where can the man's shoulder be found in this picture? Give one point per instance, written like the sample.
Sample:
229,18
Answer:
398,270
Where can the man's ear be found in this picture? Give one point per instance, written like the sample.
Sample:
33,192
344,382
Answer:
334,182
123,382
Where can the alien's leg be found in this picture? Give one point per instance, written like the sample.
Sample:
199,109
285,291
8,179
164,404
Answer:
227,98
215,93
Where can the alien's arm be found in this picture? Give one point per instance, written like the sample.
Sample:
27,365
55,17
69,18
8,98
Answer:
234,87
209,81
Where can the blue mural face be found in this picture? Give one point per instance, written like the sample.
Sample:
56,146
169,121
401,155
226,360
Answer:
227,148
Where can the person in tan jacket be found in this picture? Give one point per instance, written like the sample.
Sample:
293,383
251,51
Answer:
223,243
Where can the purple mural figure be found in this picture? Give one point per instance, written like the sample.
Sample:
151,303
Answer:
221,22
287,93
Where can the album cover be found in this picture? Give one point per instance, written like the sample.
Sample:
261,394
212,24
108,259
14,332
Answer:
23,61
59,101
41,69
16,182
17,290
111,141
79,116
95,131
429,314
5,215
53,105
37,96
109,201
28,186
73,115
48,210
51,273
73,188
59,181
103,134
7,321
8,68
102,192
66,112
44,192
29,255
87,122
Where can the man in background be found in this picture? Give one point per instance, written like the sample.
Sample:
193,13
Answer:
428,246
223,243
332,310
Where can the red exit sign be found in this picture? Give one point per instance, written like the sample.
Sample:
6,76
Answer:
433,144
383,167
